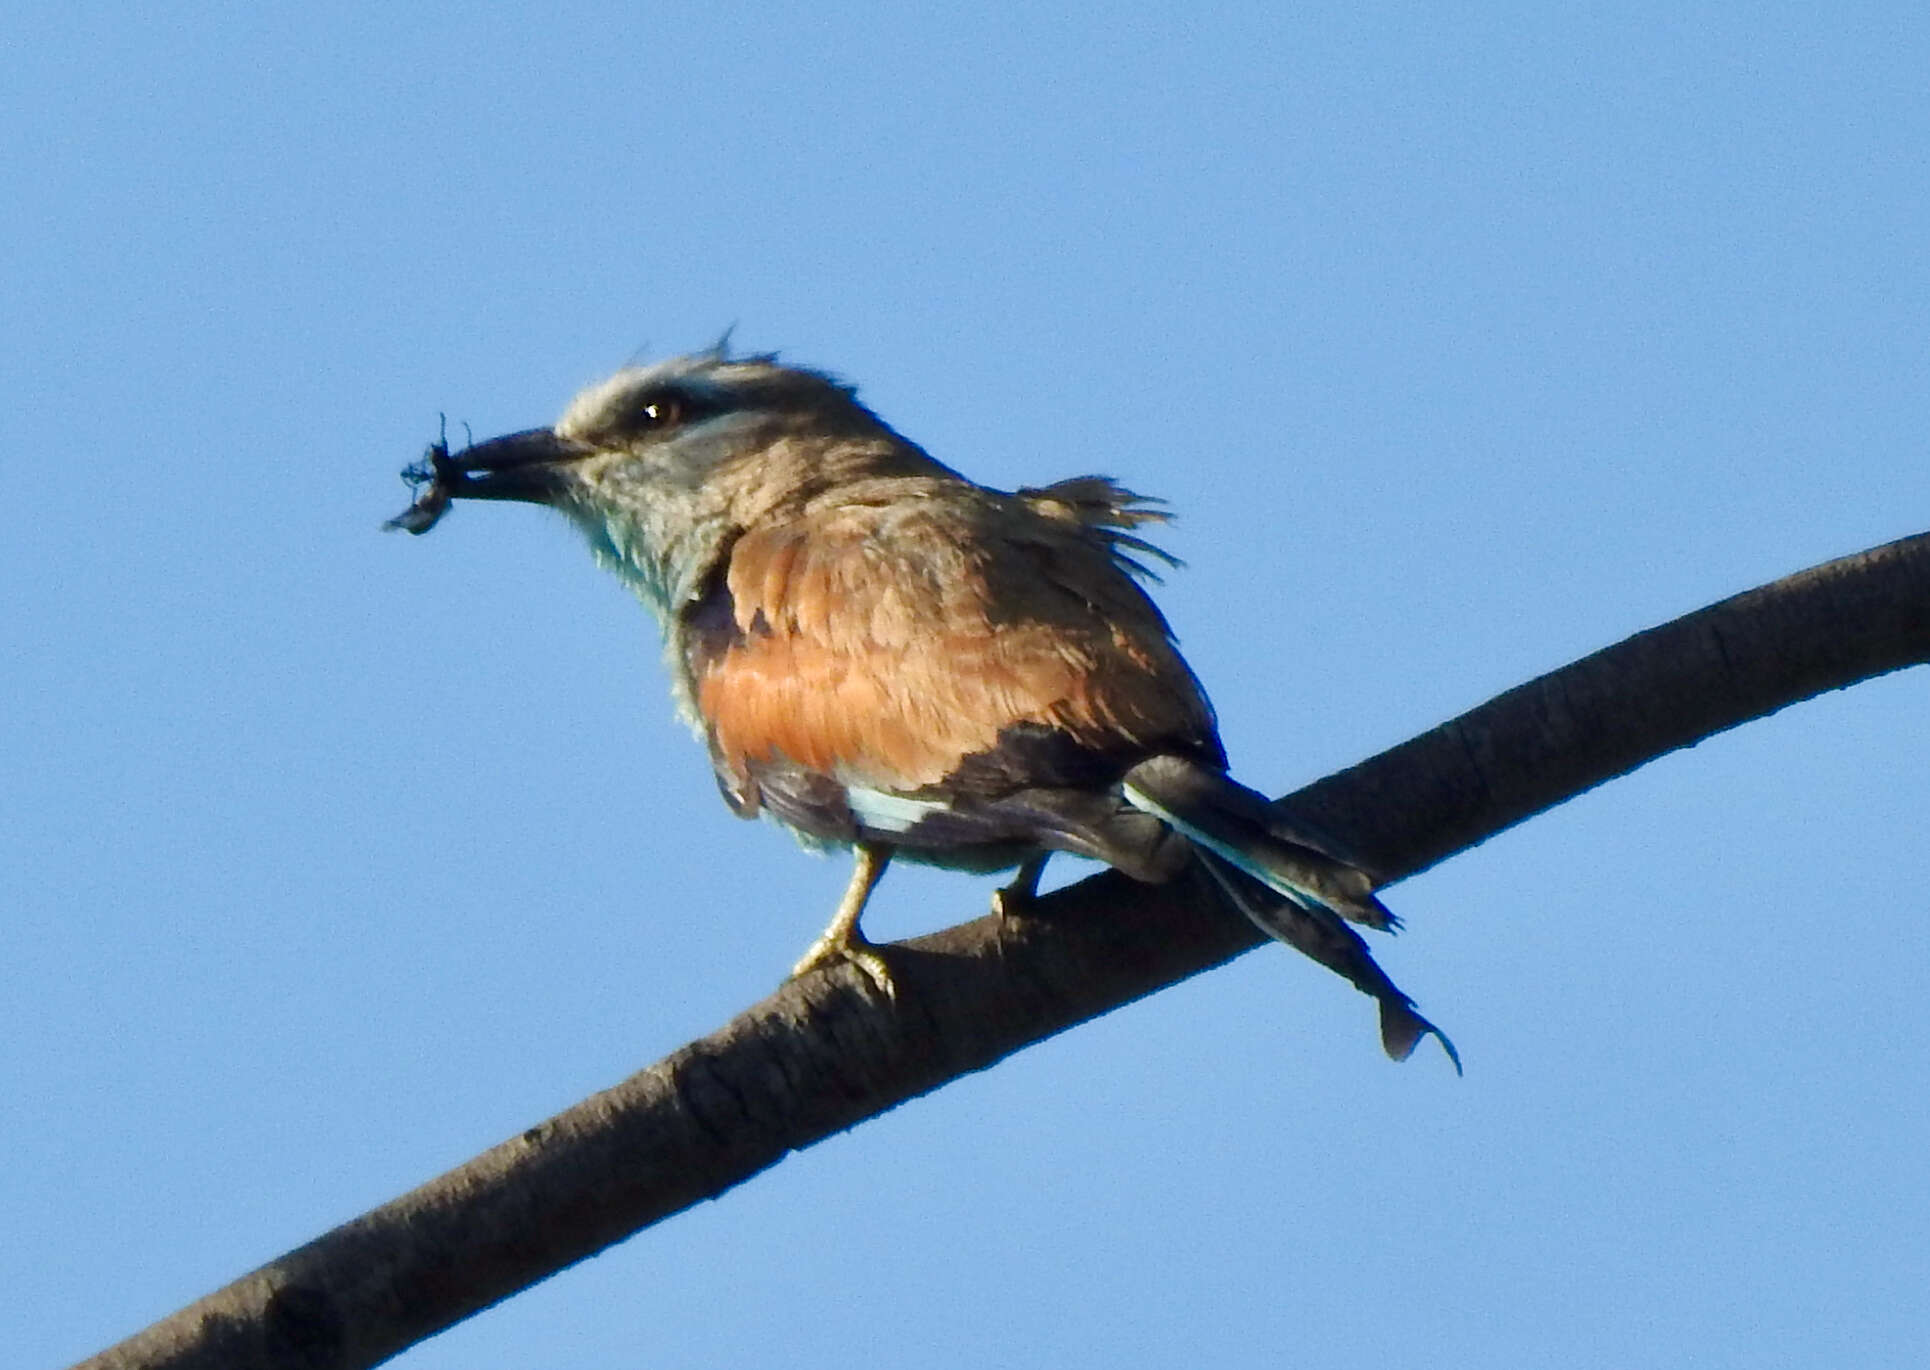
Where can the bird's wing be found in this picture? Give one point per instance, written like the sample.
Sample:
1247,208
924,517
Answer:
1108,511
915,636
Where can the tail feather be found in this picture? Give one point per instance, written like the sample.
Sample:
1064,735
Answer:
1290,891
1318,935
1220,814
1401,1030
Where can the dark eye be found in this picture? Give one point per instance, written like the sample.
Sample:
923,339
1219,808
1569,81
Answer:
661,412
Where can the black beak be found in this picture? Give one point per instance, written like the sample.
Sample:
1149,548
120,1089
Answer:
524,466
521,466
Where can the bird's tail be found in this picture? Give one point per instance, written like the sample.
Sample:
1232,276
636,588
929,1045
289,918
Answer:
1289,889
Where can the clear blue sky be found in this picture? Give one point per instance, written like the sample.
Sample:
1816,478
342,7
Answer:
1465,340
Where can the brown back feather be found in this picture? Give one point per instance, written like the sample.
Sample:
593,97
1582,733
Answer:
888,632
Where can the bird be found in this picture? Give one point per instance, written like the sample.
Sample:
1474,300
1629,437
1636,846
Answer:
886,656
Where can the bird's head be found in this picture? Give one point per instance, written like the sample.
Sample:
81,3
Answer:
661,466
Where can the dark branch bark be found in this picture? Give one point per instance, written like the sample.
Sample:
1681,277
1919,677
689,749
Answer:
823,1054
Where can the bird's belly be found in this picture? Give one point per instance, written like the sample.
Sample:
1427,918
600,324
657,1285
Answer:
971,832
962,833
972,835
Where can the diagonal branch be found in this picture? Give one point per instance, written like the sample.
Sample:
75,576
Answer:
823,1054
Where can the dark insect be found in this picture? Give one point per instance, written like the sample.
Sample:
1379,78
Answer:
431,479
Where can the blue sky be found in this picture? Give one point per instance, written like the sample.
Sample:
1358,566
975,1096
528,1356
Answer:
1463,340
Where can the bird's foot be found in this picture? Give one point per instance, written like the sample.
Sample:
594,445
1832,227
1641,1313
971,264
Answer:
1016,900
856,950
1009,904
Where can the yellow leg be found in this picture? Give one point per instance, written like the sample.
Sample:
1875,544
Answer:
1012,900
843,940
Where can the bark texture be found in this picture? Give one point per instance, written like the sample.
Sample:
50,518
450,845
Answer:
827,1052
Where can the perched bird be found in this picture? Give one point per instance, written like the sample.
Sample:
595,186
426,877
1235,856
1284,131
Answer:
884,655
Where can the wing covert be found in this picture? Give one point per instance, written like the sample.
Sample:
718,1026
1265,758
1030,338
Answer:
897,643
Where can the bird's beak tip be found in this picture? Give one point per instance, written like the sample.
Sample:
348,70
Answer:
517,466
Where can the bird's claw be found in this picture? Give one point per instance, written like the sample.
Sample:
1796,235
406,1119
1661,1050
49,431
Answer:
855,951
1015,901
1010,903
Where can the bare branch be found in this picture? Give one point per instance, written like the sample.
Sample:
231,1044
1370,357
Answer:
825,1053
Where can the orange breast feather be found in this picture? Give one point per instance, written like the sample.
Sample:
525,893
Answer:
883,643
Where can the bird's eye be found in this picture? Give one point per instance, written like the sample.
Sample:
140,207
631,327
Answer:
659,413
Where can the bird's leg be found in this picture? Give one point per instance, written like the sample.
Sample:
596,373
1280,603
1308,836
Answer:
1014,900
842,940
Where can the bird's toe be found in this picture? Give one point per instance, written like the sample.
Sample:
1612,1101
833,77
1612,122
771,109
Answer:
1017,900
856,951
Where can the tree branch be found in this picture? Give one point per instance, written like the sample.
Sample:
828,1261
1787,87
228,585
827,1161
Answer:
825,1053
